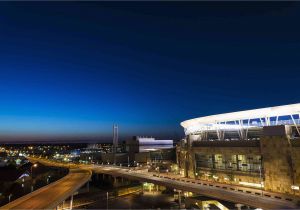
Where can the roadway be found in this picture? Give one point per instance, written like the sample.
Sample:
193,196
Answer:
219,191
198,188
50,196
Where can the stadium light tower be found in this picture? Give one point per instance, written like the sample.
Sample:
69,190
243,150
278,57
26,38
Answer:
115,137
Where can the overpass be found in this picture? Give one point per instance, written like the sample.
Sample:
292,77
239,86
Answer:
242,195
50,196
224,192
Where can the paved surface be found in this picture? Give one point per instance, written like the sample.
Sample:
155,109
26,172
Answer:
219,192
48,197
210,191
134,201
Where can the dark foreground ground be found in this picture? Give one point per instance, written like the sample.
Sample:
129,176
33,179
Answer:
97,199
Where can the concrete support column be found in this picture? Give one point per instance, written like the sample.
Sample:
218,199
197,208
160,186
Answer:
106,200
88,186
239,206
206,206
115,181
63,203
71,203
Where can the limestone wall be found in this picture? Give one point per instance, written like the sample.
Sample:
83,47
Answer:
281,163
280,169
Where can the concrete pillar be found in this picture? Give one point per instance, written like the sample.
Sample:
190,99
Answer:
115,181
239,206
71,203
63,203
206,206
88,186
106,200
157,188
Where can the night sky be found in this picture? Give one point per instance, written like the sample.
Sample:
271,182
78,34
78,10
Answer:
69,70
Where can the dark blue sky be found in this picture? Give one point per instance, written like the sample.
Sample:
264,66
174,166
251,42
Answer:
72,69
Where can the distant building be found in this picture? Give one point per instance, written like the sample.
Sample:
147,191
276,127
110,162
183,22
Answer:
147,149
144,144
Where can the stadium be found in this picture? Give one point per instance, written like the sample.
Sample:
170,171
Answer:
257,148
243,125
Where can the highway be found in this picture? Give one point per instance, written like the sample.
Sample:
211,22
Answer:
243,195
50,196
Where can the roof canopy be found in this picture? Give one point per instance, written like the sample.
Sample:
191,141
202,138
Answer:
275,111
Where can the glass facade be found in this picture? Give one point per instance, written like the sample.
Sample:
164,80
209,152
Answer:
246,163
220,162
204,161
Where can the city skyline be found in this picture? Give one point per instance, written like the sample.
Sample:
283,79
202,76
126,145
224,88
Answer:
149,105
72,70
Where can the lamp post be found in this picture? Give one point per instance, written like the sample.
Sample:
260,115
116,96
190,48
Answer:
48,179
31,173
9,198
179,198
34,165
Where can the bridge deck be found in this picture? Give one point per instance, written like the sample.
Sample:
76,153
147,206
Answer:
210,191
66,187
52,195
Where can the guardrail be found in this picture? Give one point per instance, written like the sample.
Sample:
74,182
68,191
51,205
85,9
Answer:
236,188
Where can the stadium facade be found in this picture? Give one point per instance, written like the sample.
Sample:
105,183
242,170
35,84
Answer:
257,148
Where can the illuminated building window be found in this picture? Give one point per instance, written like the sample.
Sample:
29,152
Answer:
204,161
245,163
219,161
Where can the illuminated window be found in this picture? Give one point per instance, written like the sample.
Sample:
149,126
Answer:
246,163
219,161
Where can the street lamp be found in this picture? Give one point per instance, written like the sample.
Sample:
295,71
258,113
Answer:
31,172
48,179
34,165
128,161
9,198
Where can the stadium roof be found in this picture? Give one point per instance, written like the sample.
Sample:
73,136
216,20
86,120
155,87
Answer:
263,113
